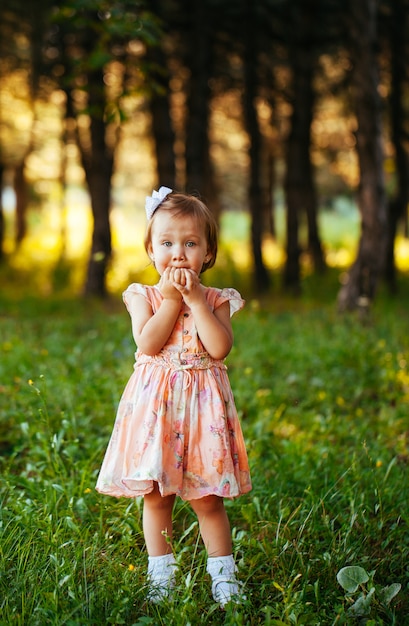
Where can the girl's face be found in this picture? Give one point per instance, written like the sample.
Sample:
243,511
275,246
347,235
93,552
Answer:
177,241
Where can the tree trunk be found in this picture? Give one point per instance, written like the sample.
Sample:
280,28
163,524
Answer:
292,264
299,181
270,226
256,196
399,78
164,139
20,188
159,105
311,209
97,160
359,290
99,174
2,225
199,169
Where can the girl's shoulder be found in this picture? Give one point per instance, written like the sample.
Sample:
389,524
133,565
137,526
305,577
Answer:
216,297
151,294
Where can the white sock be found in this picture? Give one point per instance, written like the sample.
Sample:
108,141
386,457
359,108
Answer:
225,586
161,575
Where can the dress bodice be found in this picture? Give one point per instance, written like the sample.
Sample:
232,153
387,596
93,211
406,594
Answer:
184,347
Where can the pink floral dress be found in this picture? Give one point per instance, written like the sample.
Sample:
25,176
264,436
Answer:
177,423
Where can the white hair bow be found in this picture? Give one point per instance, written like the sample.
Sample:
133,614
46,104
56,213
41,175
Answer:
152,202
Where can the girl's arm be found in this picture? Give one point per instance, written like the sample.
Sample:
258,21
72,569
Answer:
213,327
152,330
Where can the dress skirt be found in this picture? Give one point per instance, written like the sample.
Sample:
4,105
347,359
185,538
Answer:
177,424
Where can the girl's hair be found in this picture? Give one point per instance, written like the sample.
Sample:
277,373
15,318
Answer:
185,205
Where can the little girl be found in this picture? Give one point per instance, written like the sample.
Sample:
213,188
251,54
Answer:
177,431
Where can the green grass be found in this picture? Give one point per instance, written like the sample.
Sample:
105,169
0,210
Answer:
324,402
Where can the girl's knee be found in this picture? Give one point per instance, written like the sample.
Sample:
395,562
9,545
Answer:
155,500
207,505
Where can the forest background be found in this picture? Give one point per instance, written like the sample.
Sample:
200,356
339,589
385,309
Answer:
281,114
290,118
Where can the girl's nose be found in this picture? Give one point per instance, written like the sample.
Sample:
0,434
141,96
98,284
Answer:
178,253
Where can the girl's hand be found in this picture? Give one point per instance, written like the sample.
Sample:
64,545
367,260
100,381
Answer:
167,284
213,327
179,276
188,285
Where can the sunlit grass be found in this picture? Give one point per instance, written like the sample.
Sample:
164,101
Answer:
323,402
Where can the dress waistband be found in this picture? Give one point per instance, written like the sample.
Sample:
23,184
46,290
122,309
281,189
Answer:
181,360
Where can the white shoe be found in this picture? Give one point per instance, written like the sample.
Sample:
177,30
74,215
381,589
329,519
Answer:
225,586
225,591
161,576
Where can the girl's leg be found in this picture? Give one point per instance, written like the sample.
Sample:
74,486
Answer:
214,525
215,530
157,528
157,522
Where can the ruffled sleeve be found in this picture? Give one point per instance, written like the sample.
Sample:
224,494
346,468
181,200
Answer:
217,297
134,288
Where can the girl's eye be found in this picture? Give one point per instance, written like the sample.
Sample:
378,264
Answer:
190,244
167,244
